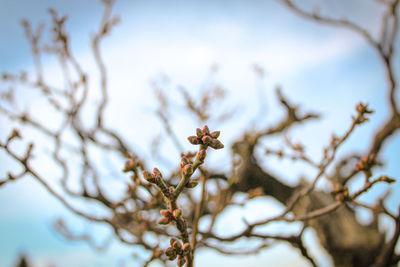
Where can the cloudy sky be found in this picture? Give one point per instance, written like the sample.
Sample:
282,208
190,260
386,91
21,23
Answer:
323,68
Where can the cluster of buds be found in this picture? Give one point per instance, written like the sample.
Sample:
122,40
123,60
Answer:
177,250
362,110
154,177
169,216
366,163
205,138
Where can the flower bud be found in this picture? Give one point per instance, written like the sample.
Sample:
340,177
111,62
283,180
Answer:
172,241
186,247
199,133
177,213
192,184
147,176
164,221
187,169
157,173
215,134
216,144
387,179
184,161
202,155
169,252
181,261
165,213
194,140
206,139
177,245
206,130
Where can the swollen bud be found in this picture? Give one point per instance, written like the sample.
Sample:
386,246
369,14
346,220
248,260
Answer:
165,213
202,155
206,130
169,252
157,173
192,184
186,247
206,139
199,133
181,261
216,144
194,140
215,134
177,213
147,176
164,221
187,169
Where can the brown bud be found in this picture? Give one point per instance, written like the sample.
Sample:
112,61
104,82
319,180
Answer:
181,261
206,130
192,184
184,161
169,252
199,133
157,173
171,189
187,169
215,134
216,144
387,179
165,213
194,140
202,155
164,221
177,213
172,241
186,247
177,245
206,139
147,176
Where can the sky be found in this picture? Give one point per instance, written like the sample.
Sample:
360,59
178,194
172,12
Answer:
322,68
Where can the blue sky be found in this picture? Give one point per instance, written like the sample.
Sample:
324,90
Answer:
323,68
